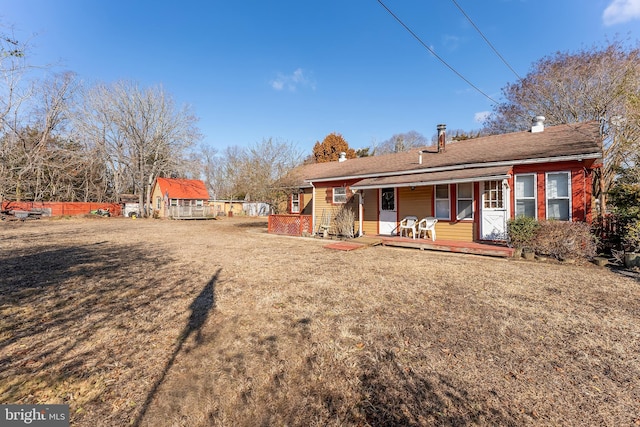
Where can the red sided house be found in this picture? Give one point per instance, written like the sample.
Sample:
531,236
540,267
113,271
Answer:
472,187
180,198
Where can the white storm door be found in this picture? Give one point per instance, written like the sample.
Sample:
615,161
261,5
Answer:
494,211
388,215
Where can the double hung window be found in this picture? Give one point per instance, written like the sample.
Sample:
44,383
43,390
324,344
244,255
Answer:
559,196
465,201
442,202
339,195
526,195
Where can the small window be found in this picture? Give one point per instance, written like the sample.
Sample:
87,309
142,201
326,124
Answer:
465,201
339,195
173,202
492,196
559,196
442,202
526,195
388,199
158,201
199,202
295,203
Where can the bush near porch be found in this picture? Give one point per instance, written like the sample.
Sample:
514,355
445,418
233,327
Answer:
558,239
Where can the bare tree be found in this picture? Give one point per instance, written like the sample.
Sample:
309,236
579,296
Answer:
594,84
401,142
140,133
250,173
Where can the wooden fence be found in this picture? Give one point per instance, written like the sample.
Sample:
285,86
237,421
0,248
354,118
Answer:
608,230
292,225
62,208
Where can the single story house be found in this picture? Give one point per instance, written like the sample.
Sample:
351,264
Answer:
179,198
472,187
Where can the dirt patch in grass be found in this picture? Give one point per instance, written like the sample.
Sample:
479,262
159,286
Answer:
152,322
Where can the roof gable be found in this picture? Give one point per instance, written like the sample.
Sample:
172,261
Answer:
179,188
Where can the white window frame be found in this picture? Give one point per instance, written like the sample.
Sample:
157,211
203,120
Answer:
535,193
568,197
295,202
199,203
459,199
341,195
436,199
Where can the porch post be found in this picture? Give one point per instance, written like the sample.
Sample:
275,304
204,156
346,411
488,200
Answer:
313,209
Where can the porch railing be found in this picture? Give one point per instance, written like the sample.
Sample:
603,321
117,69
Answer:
292,225
190,212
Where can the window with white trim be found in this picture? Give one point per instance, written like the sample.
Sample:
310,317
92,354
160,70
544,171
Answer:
442,201
295,203
493,196
158,201
559,196
339,195
526,201
465,201
199,203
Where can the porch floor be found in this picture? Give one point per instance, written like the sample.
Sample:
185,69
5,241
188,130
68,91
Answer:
475,248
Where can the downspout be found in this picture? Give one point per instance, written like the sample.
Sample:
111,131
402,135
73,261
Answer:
360,213
313,209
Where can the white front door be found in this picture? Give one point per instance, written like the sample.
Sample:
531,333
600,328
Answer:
494,211
388,215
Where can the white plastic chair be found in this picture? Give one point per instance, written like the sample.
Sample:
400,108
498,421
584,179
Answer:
409,223
428,224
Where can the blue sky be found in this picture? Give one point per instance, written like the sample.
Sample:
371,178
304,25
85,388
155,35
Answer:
298,70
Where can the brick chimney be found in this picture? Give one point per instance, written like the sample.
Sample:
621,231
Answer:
442,137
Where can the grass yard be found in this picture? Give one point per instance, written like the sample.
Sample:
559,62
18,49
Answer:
198,323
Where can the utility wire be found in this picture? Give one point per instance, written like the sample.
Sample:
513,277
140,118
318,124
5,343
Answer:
487,40
435,54
533,90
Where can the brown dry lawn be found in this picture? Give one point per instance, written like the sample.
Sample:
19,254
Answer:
197,323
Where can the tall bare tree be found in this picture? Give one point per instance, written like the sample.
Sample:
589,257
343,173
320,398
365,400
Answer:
593,84
250,173
401,142
140,132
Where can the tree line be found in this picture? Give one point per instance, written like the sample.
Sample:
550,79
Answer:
61,139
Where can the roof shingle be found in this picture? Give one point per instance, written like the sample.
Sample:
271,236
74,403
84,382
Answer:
582,139
179,188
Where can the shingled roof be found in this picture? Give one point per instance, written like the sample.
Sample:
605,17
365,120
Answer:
179,188
555,143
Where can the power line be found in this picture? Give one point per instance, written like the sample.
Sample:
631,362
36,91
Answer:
435,54
487,40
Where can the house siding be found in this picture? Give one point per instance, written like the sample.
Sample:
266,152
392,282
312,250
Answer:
324,201
415,202
306,198
370,215
155,194
463,231
581,187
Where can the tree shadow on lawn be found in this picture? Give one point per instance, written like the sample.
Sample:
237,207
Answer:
40,281
200,308
397,395
78,322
